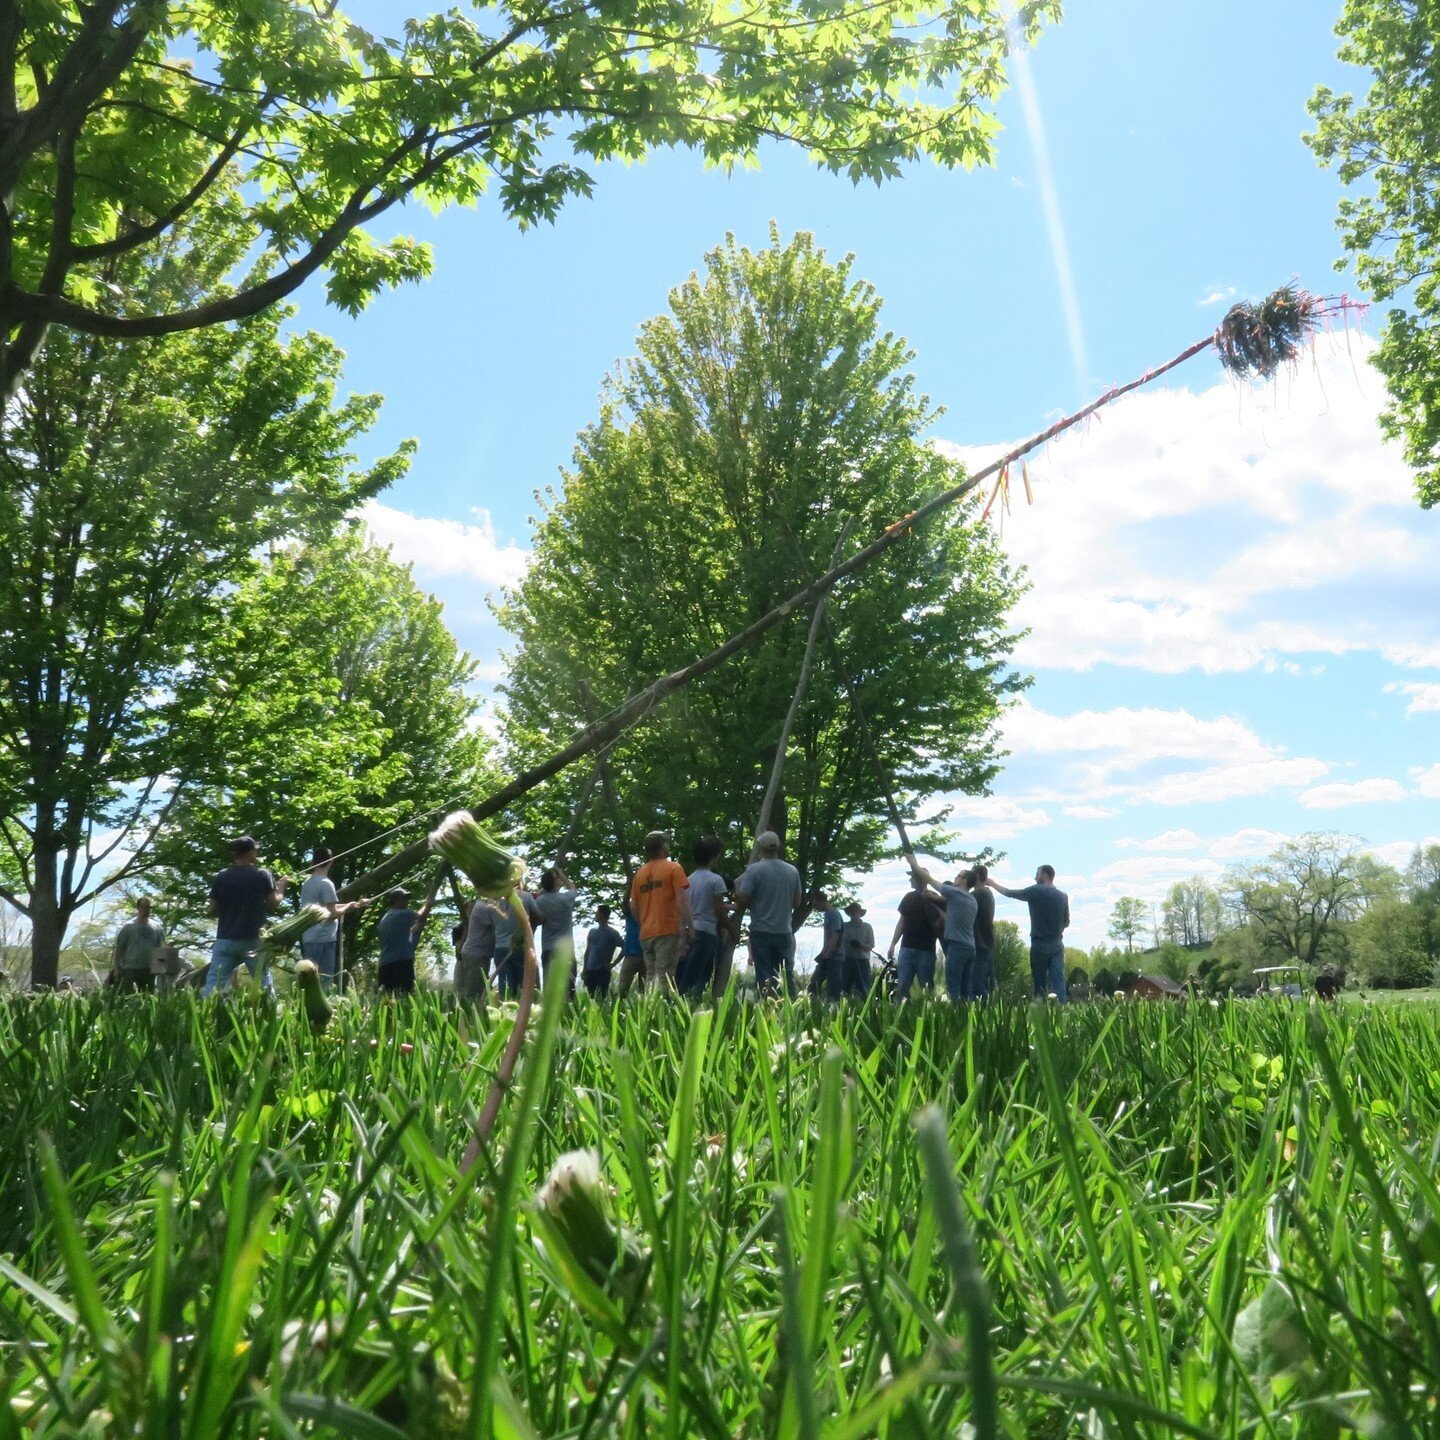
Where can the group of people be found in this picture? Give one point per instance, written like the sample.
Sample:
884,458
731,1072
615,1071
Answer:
679,931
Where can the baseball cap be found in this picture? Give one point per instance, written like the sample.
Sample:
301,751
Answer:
767,840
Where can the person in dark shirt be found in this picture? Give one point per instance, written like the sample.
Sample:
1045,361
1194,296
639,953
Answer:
400,928
828,978
241,896
1049,920
921,915
600,946
983,975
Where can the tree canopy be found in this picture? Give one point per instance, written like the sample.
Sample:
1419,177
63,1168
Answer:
123,119
142,484
762,415
1128,919
1298,903
365,720
1387,144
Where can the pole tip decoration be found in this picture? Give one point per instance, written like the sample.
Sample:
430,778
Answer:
1255,340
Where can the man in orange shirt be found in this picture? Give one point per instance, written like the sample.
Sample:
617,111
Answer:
657,895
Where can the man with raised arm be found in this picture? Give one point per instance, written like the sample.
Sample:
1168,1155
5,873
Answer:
1049,920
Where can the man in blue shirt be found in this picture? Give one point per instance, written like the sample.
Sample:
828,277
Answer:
600,946
1049,920
400,928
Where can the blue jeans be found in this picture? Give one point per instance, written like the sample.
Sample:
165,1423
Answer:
913,964
959,969
982,982
225,955
323,953
692,976
770,954
510,974
1047,968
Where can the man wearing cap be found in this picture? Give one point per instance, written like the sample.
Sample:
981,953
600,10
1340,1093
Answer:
857,940
658,897
770,891
241,895
399,929
321,943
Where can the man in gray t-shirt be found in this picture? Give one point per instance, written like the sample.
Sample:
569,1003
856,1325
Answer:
477,949
770,890
961,909
1049,920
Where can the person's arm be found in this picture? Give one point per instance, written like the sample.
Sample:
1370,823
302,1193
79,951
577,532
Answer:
210,904
997,886
799,907
1065,923
120,947
895,938
563,880
277,893
687,920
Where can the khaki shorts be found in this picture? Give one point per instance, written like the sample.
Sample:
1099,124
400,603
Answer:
661,953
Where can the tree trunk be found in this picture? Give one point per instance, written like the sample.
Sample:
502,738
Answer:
47,920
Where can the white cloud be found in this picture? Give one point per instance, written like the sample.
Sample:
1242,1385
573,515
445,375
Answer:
437,547
1396,853
1244,844
1219,295
1135,736
1230,782
1228,529
985,819
1423,698
1107,755
1168,840
1088,812
1376,790
1427,781
1413,656
1154,869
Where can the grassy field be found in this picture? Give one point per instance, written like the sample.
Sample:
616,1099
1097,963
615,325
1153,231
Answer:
1107,1220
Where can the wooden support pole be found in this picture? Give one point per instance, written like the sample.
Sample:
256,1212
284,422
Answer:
777,769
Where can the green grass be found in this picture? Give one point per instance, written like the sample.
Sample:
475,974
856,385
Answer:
1107,1220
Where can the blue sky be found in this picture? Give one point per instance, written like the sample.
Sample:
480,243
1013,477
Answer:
1233,591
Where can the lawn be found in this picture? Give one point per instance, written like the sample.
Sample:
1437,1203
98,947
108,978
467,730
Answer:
1113,1219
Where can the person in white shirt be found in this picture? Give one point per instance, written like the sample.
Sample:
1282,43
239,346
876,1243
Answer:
321,943
708,908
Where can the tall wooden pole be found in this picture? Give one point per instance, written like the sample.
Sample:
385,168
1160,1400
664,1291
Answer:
640,704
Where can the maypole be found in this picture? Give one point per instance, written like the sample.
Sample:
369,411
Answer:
1252,341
